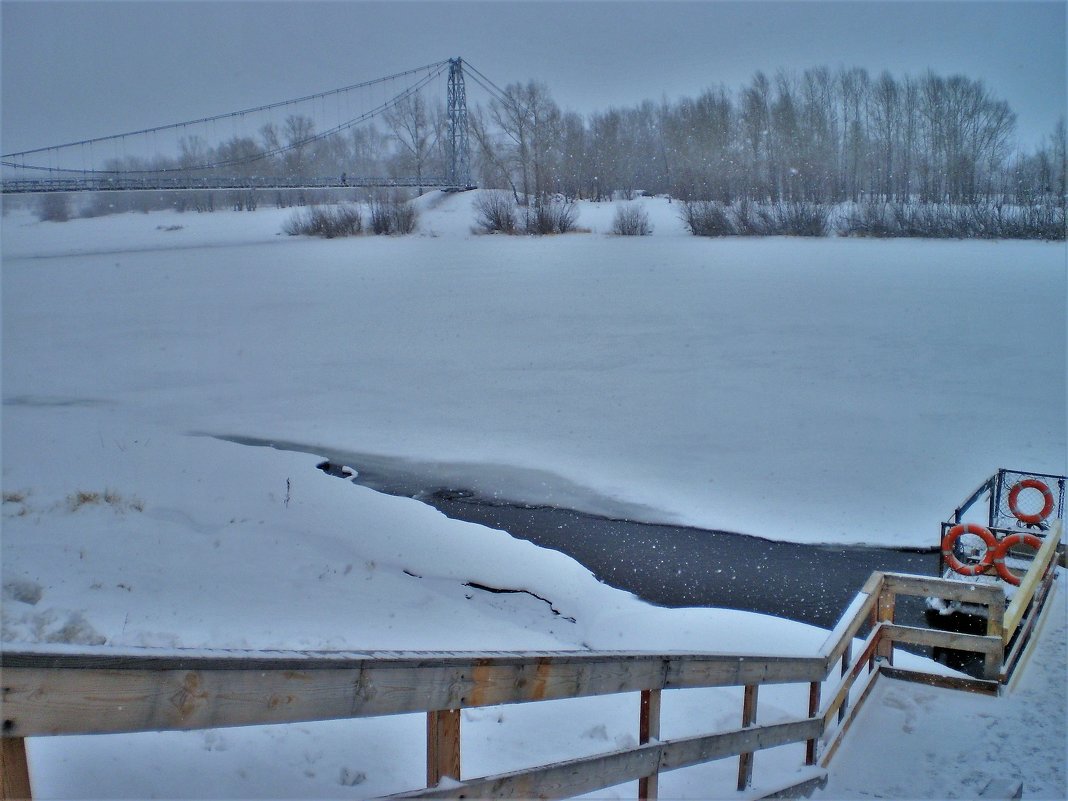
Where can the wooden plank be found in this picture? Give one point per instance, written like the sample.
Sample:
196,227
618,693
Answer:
843,728
734,670
1024,632
558,780
577,776
442,746
745,759
841,696
813,711
74,695
697,750
885,614
924,587
913,635
649,731
874,583
967,684
14,769
1035,573
852,621
995,619
847,664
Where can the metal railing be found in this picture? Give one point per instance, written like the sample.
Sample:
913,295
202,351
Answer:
97,183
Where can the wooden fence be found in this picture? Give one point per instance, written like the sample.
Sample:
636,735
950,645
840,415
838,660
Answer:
50,694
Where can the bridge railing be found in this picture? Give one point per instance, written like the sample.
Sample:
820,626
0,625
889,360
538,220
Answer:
97,183
101,692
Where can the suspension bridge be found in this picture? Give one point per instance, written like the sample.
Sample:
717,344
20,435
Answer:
320,140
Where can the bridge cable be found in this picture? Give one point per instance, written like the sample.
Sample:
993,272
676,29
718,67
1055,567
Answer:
267,107
385,106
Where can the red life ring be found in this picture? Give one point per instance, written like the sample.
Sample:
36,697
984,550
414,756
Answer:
951,558
1002,550
1014,496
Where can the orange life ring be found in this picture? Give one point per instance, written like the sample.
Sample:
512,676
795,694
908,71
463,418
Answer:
1002,550
1014,496
951,558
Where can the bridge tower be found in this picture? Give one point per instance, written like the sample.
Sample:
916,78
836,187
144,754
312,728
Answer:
457,148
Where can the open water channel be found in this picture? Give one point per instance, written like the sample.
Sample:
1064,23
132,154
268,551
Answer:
668,565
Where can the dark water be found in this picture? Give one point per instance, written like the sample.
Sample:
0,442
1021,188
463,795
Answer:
677,566
673,566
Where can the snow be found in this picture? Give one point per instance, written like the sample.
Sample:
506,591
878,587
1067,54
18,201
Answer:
817,391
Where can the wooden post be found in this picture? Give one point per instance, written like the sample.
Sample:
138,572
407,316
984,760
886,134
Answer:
995,627
442,746
885,613
873,621
813,710
14,770
847,663
649,729
745,760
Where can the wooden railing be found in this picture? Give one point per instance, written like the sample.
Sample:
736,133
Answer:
48,694
1030,597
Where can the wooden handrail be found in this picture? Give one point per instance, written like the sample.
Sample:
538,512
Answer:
1030,582
577,776
47,694
99,691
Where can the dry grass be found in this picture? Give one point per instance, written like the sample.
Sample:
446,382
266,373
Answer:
109,497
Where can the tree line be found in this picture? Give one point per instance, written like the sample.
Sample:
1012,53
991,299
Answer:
820,135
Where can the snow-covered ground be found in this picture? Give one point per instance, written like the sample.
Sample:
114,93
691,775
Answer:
825,390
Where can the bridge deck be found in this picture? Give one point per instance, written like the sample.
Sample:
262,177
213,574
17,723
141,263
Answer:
188,183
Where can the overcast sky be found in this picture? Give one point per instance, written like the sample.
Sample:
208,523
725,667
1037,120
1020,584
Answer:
78,70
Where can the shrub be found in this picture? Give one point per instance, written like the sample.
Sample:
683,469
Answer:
405,217
869,219
550,216
748,219
326,222
707,218
795,219
54,207
390,215
495,212
631,220
1044,221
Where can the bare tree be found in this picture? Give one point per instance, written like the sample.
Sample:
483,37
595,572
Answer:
298,132
532,122
885,118
416,130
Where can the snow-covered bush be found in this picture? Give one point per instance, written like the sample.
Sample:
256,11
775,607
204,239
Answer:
54,207
495,212
550,216
631,220
796,219
707,218
391,215
1045,221
344,220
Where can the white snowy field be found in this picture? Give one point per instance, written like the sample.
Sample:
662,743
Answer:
825,390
